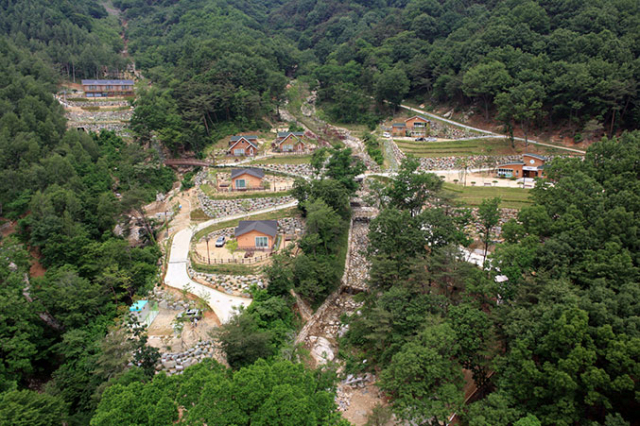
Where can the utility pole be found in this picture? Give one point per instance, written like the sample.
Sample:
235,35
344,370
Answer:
206,238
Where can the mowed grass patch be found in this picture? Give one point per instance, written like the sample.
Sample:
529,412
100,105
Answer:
293,159
472,196
278,214
464,148
457,148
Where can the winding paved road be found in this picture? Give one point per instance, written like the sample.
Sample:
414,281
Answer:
177,276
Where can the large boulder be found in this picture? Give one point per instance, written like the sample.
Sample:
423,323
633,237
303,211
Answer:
321,351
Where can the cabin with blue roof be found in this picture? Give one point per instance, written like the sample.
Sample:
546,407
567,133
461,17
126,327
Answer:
107,88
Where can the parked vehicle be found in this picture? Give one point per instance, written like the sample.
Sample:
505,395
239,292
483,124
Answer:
386,135
191,314
220,241
431,139
421,139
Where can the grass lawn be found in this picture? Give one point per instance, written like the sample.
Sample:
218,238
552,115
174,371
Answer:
215,195
460,148
472,196
279,214
293,159
468,148
226,269
198,215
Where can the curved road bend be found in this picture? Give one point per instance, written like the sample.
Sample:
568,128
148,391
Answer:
177,276
486,132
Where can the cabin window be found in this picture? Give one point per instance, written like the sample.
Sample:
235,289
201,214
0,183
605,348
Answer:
240,183
505,173
238,151
262,242
287,147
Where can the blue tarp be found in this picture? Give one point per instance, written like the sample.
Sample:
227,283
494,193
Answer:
138,306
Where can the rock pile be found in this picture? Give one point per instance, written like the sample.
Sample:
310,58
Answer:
230,284
347,386
358,268
290,226
175,363
289,169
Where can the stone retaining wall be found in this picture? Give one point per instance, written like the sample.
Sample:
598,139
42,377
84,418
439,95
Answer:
176,362
230,207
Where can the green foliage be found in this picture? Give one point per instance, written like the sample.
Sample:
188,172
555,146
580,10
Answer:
75,36
373,148
23,341
209,80
424,380
243,342
27,407
262,393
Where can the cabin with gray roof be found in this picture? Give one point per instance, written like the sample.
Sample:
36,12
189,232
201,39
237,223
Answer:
256,234
290,142
243,145
247,179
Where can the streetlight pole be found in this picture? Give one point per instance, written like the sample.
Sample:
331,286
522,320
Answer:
206,238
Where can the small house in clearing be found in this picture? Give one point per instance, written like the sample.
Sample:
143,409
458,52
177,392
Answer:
414,126
531,166
256,234
290,142
246,179
243,146
399,129
107,88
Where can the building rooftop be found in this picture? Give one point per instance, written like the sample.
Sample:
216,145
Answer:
399,125
418,116
259,173
515,163
251,139
247,137
267,227
539,157
285,134
108,82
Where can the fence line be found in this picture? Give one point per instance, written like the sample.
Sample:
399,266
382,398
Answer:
243,261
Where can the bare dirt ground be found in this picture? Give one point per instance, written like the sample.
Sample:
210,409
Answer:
7,229
36,269
161,333
362,402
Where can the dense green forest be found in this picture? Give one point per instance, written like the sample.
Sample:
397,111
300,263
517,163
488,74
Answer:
67,190
76,36
559,340
530,65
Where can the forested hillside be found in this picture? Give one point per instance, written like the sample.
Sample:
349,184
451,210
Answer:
558,340
216,68
67,190
530,63
76,36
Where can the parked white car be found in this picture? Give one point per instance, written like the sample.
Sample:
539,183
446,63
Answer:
386,135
